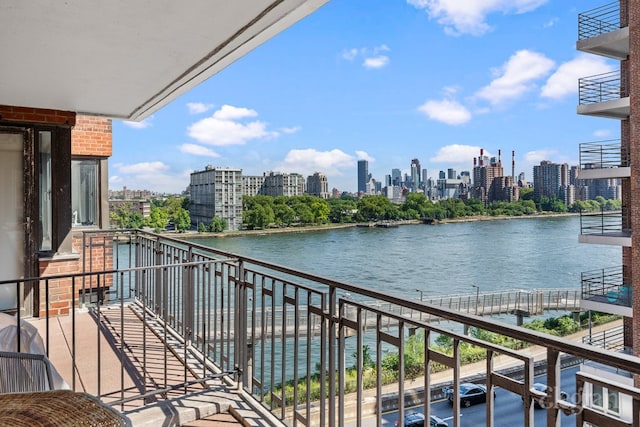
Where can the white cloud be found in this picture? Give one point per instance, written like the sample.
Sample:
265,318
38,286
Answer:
198,150
457,153
376,62
516,77
550,23
563,81
602,133
139,125
291,130
225,127
446,111
469,17
372,58
350,54
198,107
141,168
154,176
363,155
229,112
535,157
307,161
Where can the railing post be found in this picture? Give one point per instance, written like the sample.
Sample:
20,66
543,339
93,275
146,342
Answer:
157,297
553,389
244,361
188,299
333,300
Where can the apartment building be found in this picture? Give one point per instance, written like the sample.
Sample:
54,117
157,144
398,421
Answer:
217,191
551,180
318,185
283,184
613,31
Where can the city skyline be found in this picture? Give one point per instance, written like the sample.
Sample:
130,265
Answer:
409,80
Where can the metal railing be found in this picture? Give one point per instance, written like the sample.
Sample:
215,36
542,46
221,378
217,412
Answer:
601,20
606,285
601,88
603,223
297,365
603,154
610,339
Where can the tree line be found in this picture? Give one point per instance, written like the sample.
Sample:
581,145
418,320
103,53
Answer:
260,212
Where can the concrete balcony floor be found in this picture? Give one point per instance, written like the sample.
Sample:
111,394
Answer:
98,370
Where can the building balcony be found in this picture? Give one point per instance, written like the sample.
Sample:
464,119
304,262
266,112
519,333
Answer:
606,290
603,95
603,160
604,228
182,325
600,32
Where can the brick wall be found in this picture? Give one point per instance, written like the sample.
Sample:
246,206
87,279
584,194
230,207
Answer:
91,136
37,115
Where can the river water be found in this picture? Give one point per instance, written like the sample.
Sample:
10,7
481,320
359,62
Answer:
443,259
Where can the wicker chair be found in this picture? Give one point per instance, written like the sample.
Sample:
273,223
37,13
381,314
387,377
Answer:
24,372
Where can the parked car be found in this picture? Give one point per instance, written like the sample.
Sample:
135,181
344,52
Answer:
469,394
416,419
543,388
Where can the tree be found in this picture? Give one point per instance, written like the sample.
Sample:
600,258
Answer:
217,225
124,216
181,219
320,210
284,215
158,219
258,217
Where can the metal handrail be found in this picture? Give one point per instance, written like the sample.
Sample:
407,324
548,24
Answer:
222,305
601,20
601,88
603,154
603,222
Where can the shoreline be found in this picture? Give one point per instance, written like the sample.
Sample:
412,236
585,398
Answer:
312,228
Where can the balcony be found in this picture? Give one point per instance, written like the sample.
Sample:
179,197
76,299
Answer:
600,32
606,290
603,95
181,324
604,228
603,160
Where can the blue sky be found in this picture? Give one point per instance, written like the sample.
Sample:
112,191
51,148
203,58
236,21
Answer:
386,81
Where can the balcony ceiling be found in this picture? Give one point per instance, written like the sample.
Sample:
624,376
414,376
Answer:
127,59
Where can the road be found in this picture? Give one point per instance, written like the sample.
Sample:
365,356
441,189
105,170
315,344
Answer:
509,411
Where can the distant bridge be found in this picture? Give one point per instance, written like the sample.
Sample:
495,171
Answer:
519,302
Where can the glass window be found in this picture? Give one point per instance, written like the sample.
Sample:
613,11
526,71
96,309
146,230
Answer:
596,396
613,401
84,192
45,207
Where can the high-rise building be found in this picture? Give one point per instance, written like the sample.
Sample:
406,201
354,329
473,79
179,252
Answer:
415,174
317,185
217,191
550,180
396,177
363,175
451,174
485,171
283,184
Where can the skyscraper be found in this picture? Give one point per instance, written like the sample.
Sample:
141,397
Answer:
415,174
363,175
